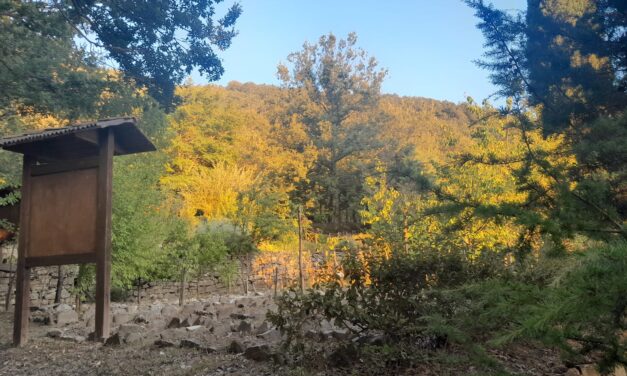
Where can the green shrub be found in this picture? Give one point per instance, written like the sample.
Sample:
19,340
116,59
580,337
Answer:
395,296
585,310
577,302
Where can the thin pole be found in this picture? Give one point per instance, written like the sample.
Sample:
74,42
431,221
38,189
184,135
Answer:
300,250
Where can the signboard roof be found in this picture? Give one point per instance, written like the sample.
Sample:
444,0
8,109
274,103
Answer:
79,140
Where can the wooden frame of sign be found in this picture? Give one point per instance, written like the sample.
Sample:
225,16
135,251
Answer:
65,209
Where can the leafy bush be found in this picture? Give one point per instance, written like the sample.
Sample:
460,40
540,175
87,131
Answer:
393,296
431,299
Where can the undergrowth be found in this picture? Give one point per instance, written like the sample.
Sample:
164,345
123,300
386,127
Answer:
400,308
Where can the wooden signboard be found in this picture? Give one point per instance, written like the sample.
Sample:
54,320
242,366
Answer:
65,209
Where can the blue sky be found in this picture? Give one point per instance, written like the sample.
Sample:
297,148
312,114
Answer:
427,45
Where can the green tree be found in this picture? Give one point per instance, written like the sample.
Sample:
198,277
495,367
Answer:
567,58
40,67
263,215
337,89
139,219
155,44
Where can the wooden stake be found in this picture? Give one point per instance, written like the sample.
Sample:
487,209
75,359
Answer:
182,290
300,250
276,280
7,299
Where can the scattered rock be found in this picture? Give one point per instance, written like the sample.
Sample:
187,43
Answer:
169,311
314,335
375,340
41,315
190,343
235,347
206,321
272,335
224,311
191,320
258,353
141,319
175,322
262,328
65,317
133,337
191,308
241,316
220,330
114,340
343,356
122,318
339,334
205,314
164,343
62,308
194,328
54,333
126,329
244,327
128,333
72,338
279,358
194,344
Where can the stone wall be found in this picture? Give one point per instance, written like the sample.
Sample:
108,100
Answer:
43,285
277,268
194,288
43,281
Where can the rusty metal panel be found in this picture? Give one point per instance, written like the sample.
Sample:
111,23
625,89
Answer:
63,219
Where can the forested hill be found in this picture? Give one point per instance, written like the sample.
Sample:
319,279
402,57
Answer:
242,133
436,128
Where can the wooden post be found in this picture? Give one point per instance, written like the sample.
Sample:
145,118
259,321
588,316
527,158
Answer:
301,275
276,280
139,291
22,282
182,287
103,233
7,299
59,290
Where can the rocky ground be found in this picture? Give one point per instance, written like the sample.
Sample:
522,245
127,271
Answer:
218,336
221,335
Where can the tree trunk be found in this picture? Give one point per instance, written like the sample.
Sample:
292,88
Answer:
182,290
301,275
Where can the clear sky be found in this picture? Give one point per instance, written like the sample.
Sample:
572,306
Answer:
428,46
